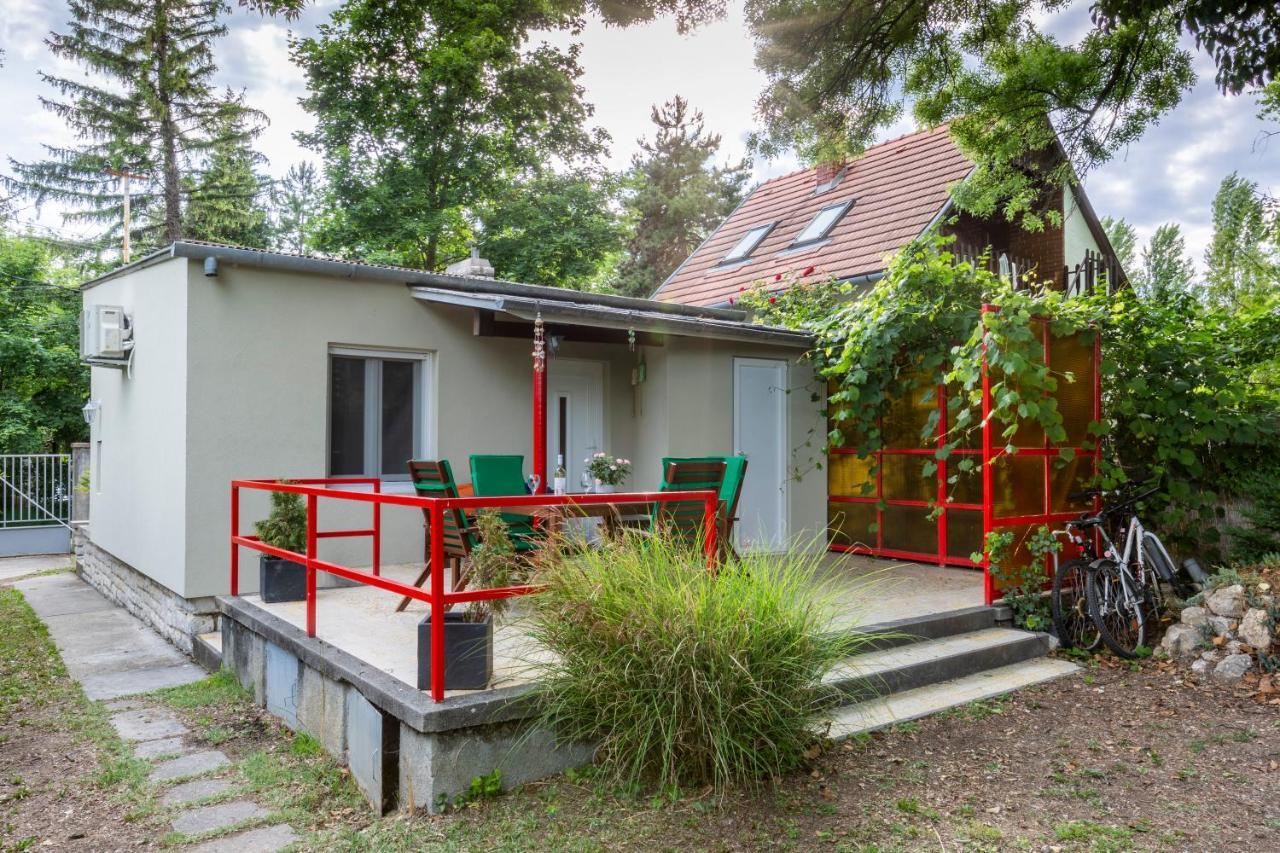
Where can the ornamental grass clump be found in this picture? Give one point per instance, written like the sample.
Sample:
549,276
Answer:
682,677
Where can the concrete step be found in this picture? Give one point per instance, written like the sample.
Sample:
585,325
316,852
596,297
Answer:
855,718
207,650
906,667
931,626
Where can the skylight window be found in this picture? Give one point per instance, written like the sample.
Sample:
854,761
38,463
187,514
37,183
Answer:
744,247
822,223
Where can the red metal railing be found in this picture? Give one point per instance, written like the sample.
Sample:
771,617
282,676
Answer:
435,596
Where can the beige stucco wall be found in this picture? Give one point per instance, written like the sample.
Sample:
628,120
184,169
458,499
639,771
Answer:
690,408
246,396
137,508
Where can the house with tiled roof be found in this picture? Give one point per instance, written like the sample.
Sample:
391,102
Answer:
845,219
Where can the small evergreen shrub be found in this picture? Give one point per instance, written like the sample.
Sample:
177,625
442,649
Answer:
684,677
286,525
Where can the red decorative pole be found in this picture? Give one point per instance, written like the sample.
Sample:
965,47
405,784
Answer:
539,404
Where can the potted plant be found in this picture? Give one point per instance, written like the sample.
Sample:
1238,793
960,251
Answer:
468,633
607,471
284,527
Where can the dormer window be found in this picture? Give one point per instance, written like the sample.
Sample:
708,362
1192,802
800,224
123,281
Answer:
822,223
744,247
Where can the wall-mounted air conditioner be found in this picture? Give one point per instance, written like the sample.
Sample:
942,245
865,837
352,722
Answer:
106,335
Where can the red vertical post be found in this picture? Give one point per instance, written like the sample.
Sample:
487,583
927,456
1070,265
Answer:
988,505
1048,459
235,531
311,568
539,404
437,599
710,526
377,531
942,476
1097,417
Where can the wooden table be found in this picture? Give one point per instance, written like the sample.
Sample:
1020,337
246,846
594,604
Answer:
612,515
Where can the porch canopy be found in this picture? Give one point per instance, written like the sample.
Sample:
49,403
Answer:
510,309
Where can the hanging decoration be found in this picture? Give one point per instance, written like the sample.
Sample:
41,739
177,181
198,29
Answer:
539,344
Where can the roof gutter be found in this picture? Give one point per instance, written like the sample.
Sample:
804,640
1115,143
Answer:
600,316
373,272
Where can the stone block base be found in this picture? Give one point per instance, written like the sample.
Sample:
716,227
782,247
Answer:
404,750
175,618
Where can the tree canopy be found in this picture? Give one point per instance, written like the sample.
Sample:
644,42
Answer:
42,382
676,196
149,108
426,111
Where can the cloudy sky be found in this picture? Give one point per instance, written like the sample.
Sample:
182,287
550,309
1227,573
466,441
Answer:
1169,175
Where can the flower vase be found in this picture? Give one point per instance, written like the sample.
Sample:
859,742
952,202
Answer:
603,488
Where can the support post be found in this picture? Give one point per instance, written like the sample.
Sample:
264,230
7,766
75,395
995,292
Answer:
710,525
988,506
539,405
377,531
311,567
437,601
235,531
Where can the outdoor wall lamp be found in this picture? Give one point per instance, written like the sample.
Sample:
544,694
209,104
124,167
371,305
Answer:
90,411
553,343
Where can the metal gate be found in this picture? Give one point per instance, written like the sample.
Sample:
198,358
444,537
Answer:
36,492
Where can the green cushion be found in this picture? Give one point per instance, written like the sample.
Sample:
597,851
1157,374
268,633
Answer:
500,475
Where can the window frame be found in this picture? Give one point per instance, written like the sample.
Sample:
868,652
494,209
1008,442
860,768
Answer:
842,208
765,230
423,406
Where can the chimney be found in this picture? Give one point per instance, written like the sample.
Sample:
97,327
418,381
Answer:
827,175
474,266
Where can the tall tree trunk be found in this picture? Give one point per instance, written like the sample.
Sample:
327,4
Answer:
168,130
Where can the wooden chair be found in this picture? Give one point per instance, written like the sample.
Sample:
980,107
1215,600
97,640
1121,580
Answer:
735,474
502,475
684,520
434,479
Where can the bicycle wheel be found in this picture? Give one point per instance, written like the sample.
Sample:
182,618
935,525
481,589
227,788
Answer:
1071,619
1119,619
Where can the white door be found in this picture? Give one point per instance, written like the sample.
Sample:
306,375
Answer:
760,434
575,415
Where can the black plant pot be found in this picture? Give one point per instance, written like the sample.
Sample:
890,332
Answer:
468,652
281,580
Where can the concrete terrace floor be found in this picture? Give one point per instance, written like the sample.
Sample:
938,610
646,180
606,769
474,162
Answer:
362,621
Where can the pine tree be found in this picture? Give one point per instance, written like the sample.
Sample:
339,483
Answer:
677,197
296,200
149,109
226,198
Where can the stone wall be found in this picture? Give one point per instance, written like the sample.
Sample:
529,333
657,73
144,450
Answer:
175,618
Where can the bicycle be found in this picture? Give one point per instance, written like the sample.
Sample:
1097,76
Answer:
1122,587
1068,599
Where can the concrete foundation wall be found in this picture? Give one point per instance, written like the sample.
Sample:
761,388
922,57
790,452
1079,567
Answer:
403,750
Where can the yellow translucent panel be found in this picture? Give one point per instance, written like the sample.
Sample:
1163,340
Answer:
964,532
905,418
1067,478
1074,354
1018,485
1029,434
846,475
903,478
967,489
971,439
908,528
850,523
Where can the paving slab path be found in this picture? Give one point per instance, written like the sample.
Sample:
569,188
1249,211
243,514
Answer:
107,649
113,654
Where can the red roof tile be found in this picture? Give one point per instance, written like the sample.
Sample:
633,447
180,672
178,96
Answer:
898,187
